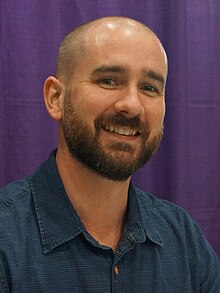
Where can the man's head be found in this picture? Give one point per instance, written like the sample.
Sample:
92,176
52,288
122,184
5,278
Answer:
108,95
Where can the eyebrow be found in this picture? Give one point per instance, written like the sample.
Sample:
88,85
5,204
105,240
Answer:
154,75
105,69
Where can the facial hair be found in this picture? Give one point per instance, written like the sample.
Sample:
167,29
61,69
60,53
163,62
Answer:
117,162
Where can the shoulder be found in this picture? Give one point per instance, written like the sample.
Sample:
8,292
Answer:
152,203
167,216
14,192
168,219
173,223
16,211
15,207
181,234
16,222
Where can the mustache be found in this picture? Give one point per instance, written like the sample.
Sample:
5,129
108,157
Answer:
119,119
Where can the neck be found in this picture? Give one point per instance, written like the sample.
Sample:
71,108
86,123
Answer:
100,203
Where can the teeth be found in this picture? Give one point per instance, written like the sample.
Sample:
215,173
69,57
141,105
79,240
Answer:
111,128
120,130
134,132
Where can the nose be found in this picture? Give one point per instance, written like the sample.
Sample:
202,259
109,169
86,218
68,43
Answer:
129,104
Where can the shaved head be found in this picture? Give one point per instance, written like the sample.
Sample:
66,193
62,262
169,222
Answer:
76,44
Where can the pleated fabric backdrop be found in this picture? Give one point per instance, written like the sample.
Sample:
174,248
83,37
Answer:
186,169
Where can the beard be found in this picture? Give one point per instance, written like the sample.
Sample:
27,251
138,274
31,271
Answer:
117,161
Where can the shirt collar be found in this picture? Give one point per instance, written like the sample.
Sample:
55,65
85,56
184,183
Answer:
59,222
57,219
139,219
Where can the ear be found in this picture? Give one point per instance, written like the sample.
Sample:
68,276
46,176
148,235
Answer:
53,97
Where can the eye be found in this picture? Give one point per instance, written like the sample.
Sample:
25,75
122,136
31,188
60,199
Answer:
107,82
149,89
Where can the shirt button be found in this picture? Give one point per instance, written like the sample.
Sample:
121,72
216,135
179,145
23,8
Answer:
116,270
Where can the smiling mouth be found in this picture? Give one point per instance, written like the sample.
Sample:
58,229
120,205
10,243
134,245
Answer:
121,130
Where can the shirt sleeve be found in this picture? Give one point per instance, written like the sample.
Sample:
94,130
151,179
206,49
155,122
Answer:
208,265
3,282
1,289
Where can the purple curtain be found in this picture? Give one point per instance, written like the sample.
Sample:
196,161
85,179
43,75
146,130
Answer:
186,169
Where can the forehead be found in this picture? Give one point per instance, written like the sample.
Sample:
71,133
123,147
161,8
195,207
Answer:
127,45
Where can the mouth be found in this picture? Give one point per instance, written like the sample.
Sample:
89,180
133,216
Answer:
121,130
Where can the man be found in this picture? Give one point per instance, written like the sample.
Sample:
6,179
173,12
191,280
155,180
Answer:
78,224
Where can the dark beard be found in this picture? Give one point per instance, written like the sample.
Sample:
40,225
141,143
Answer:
86,147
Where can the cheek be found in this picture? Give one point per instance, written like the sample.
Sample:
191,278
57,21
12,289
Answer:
155,115
92,101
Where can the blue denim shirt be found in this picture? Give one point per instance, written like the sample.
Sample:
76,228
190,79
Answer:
44,246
